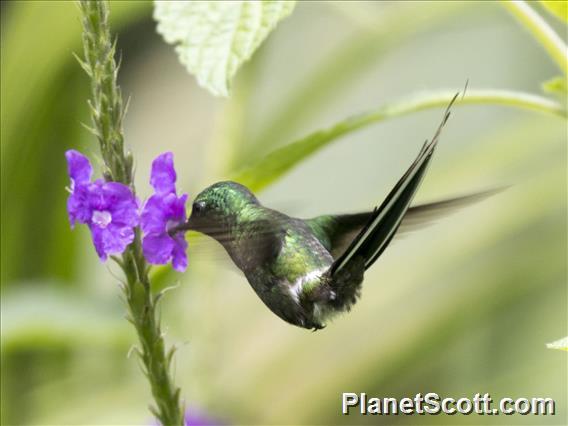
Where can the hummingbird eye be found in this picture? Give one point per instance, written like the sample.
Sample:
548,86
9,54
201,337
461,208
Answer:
198,207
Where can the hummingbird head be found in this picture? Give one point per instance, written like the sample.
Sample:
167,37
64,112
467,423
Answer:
218,207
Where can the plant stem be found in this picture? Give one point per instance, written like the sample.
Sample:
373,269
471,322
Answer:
428,100
540,29
264,171
107,112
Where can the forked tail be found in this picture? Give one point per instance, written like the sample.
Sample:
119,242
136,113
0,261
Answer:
376,235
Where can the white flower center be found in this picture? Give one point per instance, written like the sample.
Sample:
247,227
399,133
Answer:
101,218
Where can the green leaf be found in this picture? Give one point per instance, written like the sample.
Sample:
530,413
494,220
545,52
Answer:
557,8
561,344
214,38
265,171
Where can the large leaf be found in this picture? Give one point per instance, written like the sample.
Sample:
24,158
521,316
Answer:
213,39
265,171
557,8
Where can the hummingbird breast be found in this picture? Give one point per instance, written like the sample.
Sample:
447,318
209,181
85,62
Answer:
290,272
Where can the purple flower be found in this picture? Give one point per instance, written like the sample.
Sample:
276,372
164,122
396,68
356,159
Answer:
192,418
109,208
195,418
161,212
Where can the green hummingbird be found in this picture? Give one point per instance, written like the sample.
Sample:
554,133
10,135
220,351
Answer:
308,270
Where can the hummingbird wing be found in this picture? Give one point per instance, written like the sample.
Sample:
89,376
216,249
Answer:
385,220
422,215
336,232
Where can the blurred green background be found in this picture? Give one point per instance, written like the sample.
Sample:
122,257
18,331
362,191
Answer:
464,306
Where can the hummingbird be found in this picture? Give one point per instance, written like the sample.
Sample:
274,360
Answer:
306,271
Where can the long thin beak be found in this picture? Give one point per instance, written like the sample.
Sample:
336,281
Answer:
186,226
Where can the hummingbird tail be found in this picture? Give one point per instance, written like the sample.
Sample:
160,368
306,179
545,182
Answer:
376,235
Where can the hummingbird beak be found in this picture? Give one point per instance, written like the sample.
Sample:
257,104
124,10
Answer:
182,227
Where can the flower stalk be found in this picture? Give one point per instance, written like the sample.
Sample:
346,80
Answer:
541,30
107,112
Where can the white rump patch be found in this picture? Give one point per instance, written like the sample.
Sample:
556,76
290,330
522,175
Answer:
296,288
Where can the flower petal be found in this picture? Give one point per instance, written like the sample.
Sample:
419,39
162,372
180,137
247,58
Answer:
177,209
154,216
121,202
97,234
157,248
118,238
79,168
179,256
174,207
111,240
78,206
196,418
96,197
163,176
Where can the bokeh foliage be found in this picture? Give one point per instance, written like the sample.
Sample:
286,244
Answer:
464,306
